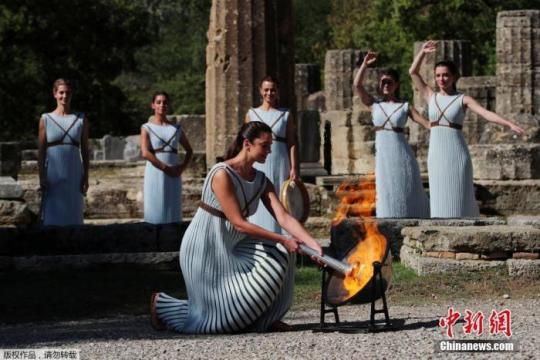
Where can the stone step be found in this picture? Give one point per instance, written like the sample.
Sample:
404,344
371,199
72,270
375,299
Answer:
439,249
480,239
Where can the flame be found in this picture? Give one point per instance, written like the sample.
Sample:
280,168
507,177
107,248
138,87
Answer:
358,200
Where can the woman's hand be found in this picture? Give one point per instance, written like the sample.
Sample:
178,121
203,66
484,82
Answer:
290,243
518,130
293,176
429,47
369,58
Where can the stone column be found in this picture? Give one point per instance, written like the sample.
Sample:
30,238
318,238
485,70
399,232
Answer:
247,39
339,68
307,82
518,62
458,51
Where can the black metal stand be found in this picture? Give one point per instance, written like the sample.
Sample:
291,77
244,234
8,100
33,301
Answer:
355,327
324,309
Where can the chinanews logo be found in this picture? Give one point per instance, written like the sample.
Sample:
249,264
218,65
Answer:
497,323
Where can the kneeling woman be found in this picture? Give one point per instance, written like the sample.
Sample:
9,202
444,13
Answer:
238,275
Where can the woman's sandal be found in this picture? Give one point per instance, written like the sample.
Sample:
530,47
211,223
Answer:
157,324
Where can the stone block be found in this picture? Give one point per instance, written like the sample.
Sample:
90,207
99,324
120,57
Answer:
113,147
474,239
525,255
467,256
132,150
10,158
506,162
523,268
510,197
523,220
151,261
429,265
440,254
9,188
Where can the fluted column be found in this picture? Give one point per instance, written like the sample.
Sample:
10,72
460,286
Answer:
247,39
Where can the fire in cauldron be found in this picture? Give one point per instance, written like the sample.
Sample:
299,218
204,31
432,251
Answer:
363,250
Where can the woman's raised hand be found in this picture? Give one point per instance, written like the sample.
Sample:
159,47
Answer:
518,130
429,46
370,58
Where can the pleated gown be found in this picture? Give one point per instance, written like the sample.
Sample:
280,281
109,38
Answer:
63,201
449,162
234,282
277,165
399,189
162,193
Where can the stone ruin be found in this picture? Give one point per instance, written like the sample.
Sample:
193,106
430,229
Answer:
336,141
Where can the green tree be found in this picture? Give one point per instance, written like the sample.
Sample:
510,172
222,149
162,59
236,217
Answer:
391,27
174,61
87,41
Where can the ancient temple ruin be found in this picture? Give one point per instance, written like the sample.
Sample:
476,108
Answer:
336,142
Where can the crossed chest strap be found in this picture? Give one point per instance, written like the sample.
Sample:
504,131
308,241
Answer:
274,136
166,143
383,126
245,210
443,115
60,141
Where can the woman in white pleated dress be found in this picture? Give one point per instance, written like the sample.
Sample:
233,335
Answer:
162,174
449,162
238,276
282,162
399,189
63,160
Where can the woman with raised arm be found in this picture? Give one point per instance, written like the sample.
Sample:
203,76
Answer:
63,160
238,276
399,189
449,162
282,162
162,175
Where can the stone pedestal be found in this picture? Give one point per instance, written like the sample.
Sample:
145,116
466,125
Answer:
247,40
113,147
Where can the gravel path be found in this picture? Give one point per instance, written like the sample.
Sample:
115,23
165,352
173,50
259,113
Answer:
131,337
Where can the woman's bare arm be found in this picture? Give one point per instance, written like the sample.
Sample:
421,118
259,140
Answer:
417,118
490,115
285,220
358,83
292,145
223,188
414,70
